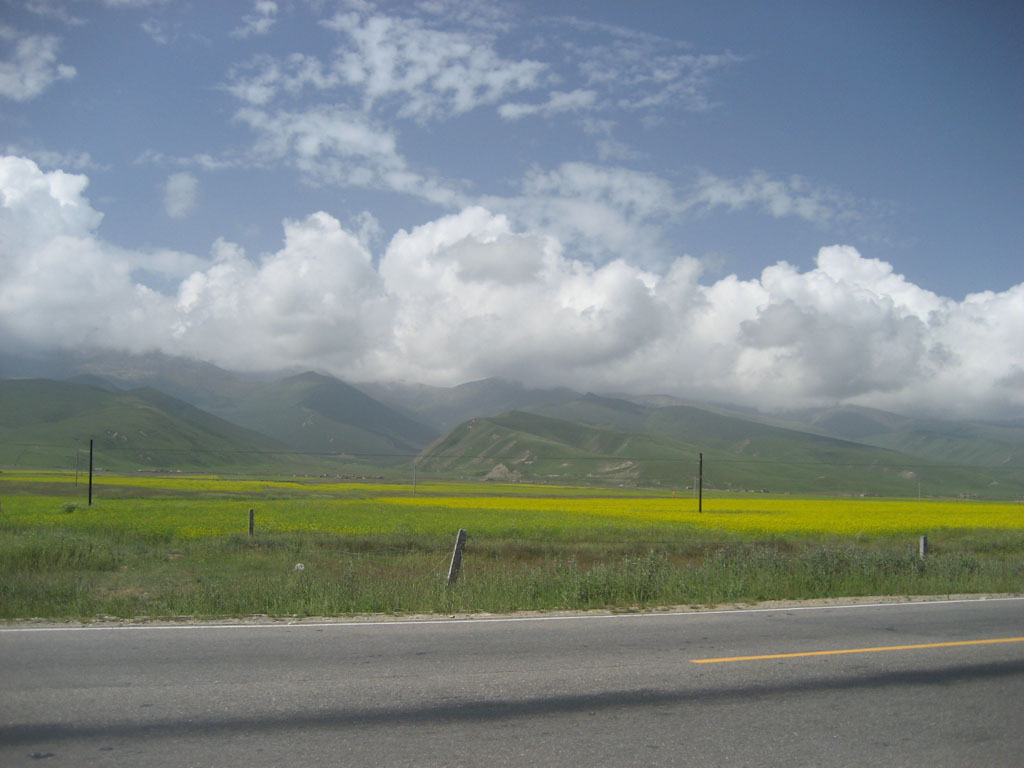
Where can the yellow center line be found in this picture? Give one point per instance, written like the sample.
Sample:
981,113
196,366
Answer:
991,641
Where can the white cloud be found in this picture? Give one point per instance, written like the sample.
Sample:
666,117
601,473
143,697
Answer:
202,161
471,295
780,198
160,32
134,3
59,284
318,301
180,194
74,161
395,65
31,65
53,9
604,212
639,71
329,116
338,146
634,192
312,135
259,22
477,299
559,101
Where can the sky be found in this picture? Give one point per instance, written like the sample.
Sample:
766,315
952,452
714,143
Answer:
778,205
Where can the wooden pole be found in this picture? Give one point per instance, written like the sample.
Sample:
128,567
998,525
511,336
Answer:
252,522
90,472
700,482
453,569
922,548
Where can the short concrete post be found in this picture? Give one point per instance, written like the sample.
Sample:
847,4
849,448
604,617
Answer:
923,547
252,522
453,569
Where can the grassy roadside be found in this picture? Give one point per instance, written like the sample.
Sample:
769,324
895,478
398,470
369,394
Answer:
56,574
177,547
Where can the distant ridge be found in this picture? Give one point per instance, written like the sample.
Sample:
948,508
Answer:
313,412
446,407
613,441
587,437
45,423
305,412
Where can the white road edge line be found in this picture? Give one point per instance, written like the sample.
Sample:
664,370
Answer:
353,623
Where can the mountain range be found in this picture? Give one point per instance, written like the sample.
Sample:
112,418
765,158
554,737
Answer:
157,412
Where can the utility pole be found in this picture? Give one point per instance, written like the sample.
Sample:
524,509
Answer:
90,472
700,482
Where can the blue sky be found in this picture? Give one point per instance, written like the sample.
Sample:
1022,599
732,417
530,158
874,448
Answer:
807,202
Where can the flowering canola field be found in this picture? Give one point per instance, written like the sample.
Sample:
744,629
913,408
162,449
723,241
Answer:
381,510
748,515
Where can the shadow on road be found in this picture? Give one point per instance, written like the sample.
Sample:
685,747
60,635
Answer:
467,711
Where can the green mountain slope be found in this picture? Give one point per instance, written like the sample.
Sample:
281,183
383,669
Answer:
627,444
528,446
709,431
307,413
964,443
385,424
47,424
315,413
446,407
201,384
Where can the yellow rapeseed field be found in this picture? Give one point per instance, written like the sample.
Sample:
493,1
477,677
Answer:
192,506
751,514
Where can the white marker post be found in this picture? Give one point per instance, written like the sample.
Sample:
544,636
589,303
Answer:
453,569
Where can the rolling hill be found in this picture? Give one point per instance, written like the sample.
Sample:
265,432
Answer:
314,413
444,408
961,442
613,441
48,424
308,412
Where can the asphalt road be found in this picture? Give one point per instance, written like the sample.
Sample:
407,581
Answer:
914,685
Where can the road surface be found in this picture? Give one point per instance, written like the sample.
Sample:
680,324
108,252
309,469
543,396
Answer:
921,683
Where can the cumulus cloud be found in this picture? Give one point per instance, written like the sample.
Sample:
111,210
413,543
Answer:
605,212
471,294
60,284
478,299
30,65
318,301
180,194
